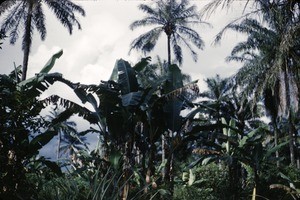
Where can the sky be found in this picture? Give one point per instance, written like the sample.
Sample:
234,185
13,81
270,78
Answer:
89,54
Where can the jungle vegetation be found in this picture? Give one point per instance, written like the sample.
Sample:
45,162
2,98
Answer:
147,149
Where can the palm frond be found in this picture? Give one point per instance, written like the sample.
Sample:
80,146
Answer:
177,50
39,20
6,5
150,11
192,35
14,34
192,86
74,7
13,17
64,11
145,22
72,108
146,41
182,40
219,35
172,17
211,7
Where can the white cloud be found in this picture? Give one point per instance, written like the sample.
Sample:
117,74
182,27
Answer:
40,58
90,54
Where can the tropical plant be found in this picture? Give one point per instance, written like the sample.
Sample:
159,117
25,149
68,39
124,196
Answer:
72,143
174,19
66,126
23,131
28,14
270,65
217,97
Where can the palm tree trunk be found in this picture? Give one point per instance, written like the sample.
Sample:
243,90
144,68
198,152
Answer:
27,41
276,144
169,49
150,168
291,127
163,155
58,146
292,130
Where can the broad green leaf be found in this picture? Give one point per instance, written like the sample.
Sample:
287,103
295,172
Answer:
53,166
114,74
172,110
86,97
224,129
185,176
49,65
274,149
285,177
41,140
192,177
91,99
164,192
126,77
231,124
132,98
208,160
174,80
142,64
114,158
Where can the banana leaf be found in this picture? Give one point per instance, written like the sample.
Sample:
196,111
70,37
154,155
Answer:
126,77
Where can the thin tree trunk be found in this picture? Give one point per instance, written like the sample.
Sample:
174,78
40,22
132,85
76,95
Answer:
290,118
291,140
163,155
276,137
58,146
169,49
27,41
277,152
297,153
256,184
168,176
150,167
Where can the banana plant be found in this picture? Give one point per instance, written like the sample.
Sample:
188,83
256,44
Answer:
23,131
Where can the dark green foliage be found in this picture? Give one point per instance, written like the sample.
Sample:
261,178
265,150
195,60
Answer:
146,149
211,182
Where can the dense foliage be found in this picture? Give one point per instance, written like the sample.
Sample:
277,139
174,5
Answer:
159,136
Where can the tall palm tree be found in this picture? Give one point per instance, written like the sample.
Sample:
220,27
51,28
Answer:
26,15
174,19
271,56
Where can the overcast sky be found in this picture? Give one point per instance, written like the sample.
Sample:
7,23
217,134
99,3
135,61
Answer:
90,54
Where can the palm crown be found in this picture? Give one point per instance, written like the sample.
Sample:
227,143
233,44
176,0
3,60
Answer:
174,19
28,15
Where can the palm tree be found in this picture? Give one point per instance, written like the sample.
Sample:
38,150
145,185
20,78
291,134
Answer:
62,128
174,19
28,14
217,97
270,56
73,142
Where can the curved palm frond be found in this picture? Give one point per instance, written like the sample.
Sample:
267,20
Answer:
173,17
39,21
6,5
28,15
147,41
